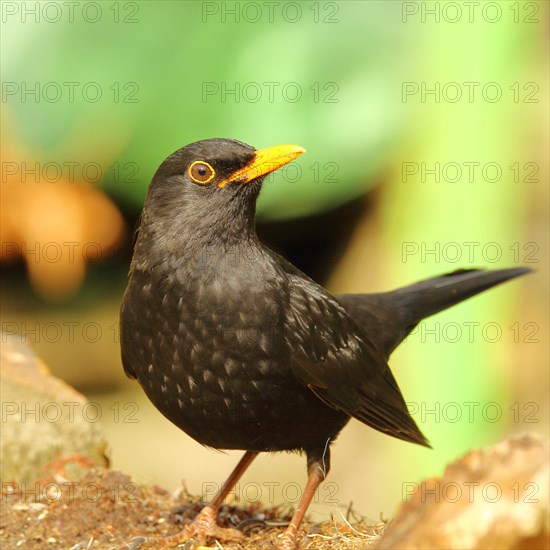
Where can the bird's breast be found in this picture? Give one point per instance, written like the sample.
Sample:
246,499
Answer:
211,354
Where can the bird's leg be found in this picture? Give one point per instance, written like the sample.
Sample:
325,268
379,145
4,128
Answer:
318,465
204,526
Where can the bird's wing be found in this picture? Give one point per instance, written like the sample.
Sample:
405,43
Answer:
332,357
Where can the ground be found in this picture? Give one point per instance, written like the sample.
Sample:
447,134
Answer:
106,509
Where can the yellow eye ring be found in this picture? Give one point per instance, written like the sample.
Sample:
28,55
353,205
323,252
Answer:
201,172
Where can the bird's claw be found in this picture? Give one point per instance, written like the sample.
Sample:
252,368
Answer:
193,536
286,542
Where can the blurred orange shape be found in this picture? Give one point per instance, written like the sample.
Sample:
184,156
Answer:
57,228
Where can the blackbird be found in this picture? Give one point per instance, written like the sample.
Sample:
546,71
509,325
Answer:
240,349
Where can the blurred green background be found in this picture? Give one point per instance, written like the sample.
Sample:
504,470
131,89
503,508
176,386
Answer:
426,125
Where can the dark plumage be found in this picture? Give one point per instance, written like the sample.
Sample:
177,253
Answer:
240,349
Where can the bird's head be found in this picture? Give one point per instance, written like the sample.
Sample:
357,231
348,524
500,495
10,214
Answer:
207,190
205,168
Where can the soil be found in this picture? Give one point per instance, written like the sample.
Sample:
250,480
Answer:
106,510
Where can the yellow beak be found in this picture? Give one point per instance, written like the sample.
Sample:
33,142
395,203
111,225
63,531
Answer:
264,162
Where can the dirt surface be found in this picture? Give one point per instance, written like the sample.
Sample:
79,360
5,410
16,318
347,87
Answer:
106,510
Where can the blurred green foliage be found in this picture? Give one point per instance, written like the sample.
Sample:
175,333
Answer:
328,82
488,210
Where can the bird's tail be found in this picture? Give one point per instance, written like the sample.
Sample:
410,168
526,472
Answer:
425,298
389,317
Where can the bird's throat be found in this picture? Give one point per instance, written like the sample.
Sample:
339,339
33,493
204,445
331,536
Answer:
220,239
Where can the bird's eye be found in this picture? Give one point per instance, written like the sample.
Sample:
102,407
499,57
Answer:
201,172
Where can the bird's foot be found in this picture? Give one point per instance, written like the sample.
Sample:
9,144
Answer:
287,541
201,530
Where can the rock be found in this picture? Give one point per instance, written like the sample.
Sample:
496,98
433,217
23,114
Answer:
490,498
48,429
